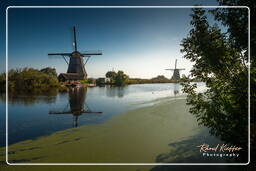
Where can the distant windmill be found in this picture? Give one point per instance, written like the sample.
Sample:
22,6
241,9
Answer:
176,72
76,70
77,105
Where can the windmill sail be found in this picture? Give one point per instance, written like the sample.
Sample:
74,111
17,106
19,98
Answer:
176,72
76,69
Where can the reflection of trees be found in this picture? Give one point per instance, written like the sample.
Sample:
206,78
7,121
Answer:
115,91
30,98
77,104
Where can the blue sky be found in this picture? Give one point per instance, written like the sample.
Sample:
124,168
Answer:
141,42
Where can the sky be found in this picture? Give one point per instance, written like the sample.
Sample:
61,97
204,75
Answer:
140,42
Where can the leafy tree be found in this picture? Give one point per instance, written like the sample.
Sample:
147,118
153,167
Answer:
236,21
221,62
111,75
28,79
2,82
121,78
49,71
118,79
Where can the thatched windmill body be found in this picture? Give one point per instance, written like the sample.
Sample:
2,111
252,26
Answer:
176,72
76,65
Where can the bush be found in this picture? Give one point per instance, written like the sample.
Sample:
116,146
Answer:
121,78
29,79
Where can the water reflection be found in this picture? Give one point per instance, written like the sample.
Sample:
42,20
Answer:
115,91
173,89
28,112
30,98
176,89
77,105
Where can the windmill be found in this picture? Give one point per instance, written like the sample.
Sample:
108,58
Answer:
77,105
176,72
76,69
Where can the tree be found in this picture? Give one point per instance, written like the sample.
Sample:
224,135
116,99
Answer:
2,82
121,78
236,21
28,80
111,75
49,71
221,62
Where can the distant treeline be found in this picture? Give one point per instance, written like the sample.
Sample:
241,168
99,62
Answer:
30,80
120,79
158,79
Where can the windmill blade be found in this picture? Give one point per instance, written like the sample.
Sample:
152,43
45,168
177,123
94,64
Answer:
88,57
181,69
75,44
170,69
60,112
92,112
89,53
64,57
88,110
59,54
55,56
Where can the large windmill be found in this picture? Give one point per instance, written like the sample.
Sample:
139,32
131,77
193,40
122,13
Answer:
76,69
77,105
176,72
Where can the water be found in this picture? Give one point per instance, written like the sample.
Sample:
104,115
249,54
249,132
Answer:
30,116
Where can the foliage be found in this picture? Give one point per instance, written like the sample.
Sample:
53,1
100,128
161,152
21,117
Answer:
118,79
84,81
238,30
111,75
223,107
91,81
88,81
121,78
29,79
101,81
160,77
3,82
49,71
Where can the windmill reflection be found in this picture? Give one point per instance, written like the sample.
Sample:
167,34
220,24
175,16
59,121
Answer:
176,89
77,104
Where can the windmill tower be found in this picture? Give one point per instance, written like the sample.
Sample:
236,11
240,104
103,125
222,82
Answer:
76,69
176,72
77,105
